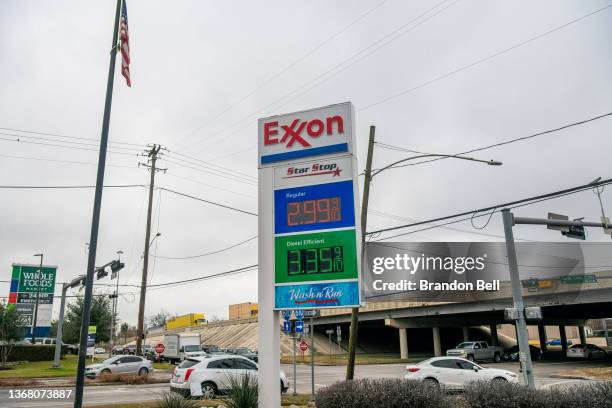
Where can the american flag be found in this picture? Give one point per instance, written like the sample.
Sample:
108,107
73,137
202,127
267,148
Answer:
125,45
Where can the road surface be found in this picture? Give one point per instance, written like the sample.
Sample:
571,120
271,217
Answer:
324,376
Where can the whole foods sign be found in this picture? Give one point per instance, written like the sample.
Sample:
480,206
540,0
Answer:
24,289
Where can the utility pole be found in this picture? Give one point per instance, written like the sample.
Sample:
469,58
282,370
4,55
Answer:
40,271
95,219
115,297
350,367
152,154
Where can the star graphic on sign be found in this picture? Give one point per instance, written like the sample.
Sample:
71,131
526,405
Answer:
337,172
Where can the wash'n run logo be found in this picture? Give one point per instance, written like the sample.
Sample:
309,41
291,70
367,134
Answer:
304,134
317,295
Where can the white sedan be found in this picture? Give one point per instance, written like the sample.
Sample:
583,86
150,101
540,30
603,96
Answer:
455,373
209,376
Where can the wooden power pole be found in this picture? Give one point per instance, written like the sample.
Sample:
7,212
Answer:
152,154
350,367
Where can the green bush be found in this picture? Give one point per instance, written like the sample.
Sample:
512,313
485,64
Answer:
383,393
506,395
22,352
174,400
242,392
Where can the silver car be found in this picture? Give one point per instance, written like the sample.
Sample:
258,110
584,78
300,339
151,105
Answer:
588,351
120,365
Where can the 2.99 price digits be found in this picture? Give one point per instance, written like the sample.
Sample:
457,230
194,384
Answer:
314,211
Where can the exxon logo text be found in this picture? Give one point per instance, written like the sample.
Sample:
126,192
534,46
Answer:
300,131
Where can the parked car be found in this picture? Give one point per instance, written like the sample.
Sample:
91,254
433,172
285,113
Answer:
512,353
211,349
476,351
588,351
129,350
456,373
212,373
116,350
99,350
244,352
120,365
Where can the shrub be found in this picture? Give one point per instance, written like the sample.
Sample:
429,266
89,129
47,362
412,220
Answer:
382,393
124,378
23,352
242,392
506,395
174,400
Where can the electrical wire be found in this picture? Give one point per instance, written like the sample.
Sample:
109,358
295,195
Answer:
506,142
46,139
482,60
69,137
208,171
209,202
63,147
208,253
10,156
285,69
376,45
510,205
214,166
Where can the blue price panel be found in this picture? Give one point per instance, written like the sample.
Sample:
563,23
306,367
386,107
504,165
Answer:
299,326
286,326
322,206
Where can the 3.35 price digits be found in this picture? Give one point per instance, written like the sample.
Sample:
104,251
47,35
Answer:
314,211
315,260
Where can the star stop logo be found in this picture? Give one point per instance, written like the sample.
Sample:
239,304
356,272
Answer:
316,169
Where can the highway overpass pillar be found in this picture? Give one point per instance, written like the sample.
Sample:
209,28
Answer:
494,338
582,334
466,333
403,338
436,342
563,338
542,336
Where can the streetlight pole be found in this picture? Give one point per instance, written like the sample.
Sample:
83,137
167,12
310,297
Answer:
115,305
369,174
40,271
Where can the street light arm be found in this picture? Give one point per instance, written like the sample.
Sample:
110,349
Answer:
449,156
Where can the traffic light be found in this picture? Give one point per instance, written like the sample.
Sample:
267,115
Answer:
101,272
116,266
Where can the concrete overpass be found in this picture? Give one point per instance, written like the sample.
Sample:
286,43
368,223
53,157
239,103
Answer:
562,306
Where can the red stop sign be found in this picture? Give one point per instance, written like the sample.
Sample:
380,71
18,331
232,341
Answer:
303,346
159,348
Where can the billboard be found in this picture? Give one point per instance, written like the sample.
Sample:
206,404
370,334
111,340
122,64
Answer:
315,241
24,289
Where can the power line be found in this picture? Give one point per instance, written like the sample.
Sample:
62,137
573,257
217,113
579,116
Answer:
376,45
9,156
68,137
495,208
214,166
18,140
31,187
481,60
206,277
285,69
208,253
211,172
65,141
209,202
478,149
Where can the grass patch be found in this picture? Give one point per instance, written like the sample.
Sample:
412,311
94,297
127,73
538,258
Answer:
44,369
360,359
299,400
600,373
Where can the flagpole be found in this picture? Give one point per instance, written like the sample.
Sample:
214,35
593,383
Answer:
95,221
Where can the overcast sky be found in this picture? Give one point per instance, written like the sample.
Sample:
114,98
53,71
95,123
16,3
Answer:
204,71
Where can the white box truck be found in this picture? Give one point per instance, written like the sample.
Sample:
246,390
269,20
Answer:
181,346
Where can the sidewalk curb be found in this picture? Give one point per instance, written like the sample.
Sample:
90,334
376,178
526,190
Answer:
572,377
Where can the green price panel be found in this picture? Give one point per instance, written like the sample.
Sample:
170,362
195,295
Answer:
315,257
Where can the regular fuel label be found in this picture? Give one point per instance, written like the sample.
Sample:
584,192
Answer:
316,257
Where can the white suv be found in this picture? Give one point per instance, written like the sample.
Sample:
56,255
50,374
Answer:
209,376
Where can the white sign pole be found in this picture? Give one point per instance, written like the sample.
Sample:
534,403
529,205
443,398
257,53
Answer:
269,321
